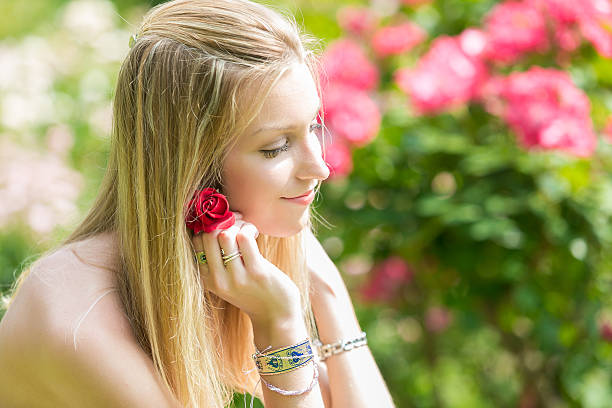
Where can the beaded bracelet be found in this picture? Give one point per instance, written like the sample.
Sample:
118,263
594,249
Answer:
315,380
328,350
283,360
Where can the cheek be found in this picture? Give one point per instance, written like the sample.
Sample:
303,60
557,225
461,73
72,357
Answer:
252,189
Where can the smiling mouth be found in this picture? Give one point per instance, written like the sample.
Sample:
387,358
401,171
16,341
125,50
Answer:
303,195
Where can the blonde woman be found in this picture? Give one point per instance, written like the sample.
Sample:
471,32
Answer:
219,94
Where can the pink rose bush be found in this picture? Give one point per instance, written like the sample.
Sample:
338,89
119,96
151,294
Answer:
605,331
545,109
590,18
386,278
596,24
542,106
448,75
338,158
607,131
345,61
395,40
437,319
513,29
357,20
351,115
480,163
457,70
416,2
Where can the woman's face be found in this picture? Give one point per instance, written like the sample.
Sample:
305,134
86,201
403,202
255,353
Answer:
256,181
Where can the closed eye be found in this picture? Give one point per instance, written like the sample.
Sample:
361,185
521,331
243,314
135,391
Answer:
274,152
270,154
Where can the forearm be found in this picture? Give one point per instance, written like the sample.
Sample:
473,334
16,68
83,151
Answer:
354,378
280,335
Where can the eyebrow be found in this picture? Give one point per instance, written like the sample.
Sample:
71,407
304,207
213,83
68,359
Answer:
279,128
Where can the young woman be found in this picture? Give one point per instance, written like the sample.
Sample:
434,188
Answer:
221,98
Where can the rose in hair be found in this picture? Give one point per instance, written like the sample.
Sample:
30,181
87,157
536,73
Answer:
208,211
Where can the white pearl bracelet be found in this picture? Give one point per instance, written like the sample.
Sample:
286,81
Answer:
327,350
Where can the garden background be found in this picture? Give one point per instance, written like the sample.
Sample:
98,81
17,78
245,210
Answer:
470,196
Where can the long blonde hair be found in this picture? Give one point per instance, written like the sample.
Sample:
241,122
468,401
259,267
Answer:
176,113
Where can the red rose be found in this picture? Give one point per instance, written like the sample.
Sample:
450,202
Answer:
209,210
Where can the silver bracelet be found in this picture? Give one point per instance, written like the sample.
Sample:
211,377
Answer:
327,350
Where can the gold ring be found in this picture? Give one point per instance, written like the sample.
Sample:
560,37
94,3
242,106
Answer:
228,258
224,257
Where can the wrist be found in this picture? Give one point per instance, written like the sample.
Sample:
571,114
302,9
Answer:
279,333
346,344
335,317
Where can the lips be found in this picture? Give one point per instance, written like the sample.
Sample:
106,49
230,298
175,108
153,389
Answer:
303,199
302,195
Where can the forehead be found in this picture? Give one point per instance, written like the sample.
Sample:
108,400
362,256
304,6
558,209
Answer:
292,102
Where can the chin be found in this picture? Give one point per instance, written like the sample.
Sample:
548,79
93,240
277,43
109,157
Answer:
282,233
283,230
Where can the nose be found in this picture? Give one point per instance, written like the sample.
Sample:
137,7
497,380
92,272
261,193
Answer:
311,164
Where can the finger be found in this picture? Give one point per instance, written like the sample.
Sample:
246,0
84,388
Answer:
241,223
247,244
216,270
198,246
227,241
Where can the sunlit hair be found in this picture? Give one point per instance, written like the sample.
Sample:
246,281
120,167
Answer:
176,113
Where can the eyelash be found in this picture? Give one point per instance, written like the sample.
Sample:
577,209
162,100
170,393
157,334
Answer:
270,154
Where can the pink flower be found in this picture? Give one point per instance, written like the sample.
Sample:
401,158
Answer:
60,139
561,11
605,331
593,18
350,114
597,28
515,29
356,20
394,40
569,133
345,62
450,74
416,2
473,42
568,37
338,159
608,129
386,278
39,191
437,319
545,109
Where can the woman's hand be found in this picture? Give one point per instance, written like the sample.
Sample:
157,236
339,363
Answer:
250,282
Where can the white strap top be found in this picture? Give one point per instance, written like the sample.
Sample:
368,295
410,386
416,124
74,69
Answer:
82,318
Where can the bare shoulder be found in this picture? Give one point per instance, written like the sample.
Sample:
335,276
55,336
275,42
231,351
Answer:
59,290
318,261
314,250
68,314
